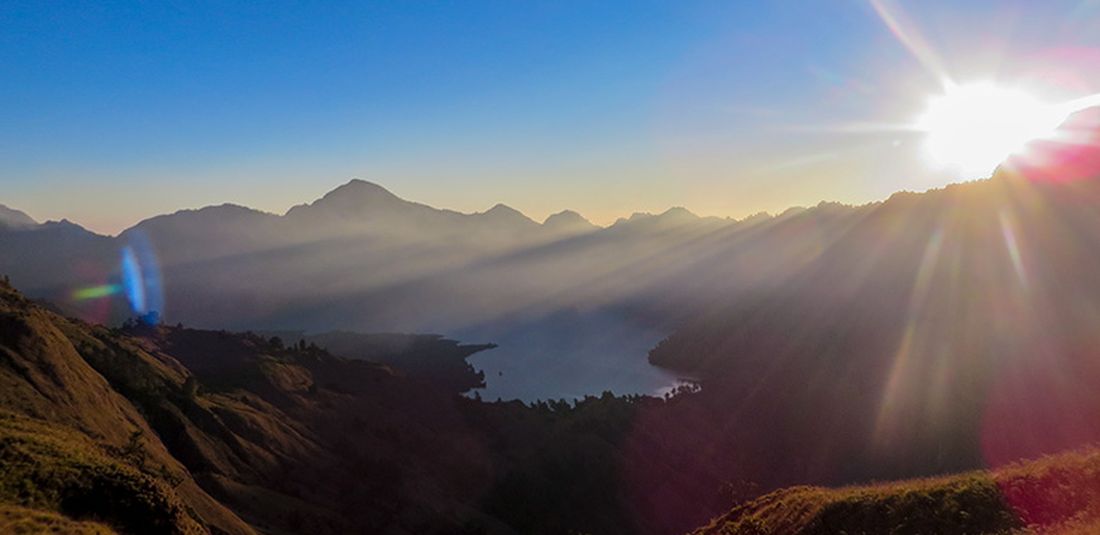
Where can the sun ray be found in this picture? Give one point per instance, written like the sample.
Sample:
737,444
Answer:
910,37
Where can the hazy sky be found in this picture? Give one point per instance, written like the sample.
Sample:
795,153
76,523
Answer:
118,111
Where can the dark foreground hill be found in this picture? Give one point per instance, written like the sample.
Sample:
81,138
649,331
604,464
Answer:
1057,495
156,429
71,443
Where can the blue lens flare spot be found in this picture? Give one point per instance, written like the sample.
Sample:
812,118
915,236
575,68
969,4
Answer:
133,281
141,281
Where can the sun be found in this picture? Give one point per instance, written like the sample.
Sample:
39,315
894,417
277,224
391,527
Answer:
972,128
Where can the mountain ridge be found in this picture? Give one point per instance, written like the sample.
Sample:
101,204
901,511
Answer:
12,218
356,194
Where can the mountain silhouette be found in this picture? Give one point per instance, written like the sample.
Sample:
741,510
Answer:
361,239
568,222
1071,154
10,218
942,331
361,206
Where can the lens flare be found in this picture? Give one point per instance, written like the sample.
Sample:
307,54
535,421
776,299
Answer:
96,292
141,280
973,128
133,281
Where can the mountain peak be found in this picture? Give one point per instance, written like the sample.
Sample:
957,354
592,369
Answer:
501,210
360,188
678,213
568,220
502,216
675,214
12,218
565,216
354,197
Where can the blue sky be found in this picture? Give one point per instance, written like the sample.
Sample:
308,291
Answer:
117,111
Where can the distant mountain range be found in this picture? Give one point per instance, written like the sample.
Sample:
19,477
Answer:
362,259
357,240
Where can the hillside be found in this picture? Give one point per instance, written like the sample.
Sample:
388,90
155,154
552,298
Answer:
72,444
198,431
141,427
432,358
944,331
1057,495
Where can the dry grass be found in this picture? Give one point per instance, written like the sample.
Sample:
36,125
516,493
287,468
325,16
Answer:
22,521
52,468
1057,495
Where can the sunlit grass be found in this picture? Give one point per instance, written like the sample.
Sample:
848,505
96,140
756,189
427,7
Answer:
1057,495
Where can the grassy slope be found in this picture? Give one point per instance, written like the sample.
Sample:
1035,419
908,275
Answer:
1054,495
279,434
20,521
52,468
68,437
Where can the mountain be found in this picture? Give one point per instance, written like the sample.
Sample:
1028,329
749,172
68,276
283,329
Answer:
1058,495
568,222
129,431
362,258
504,214
360,207
941,331
364,207
359,199
676,216
73,444
14,219
213,232
55,258
1071,155
426,357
